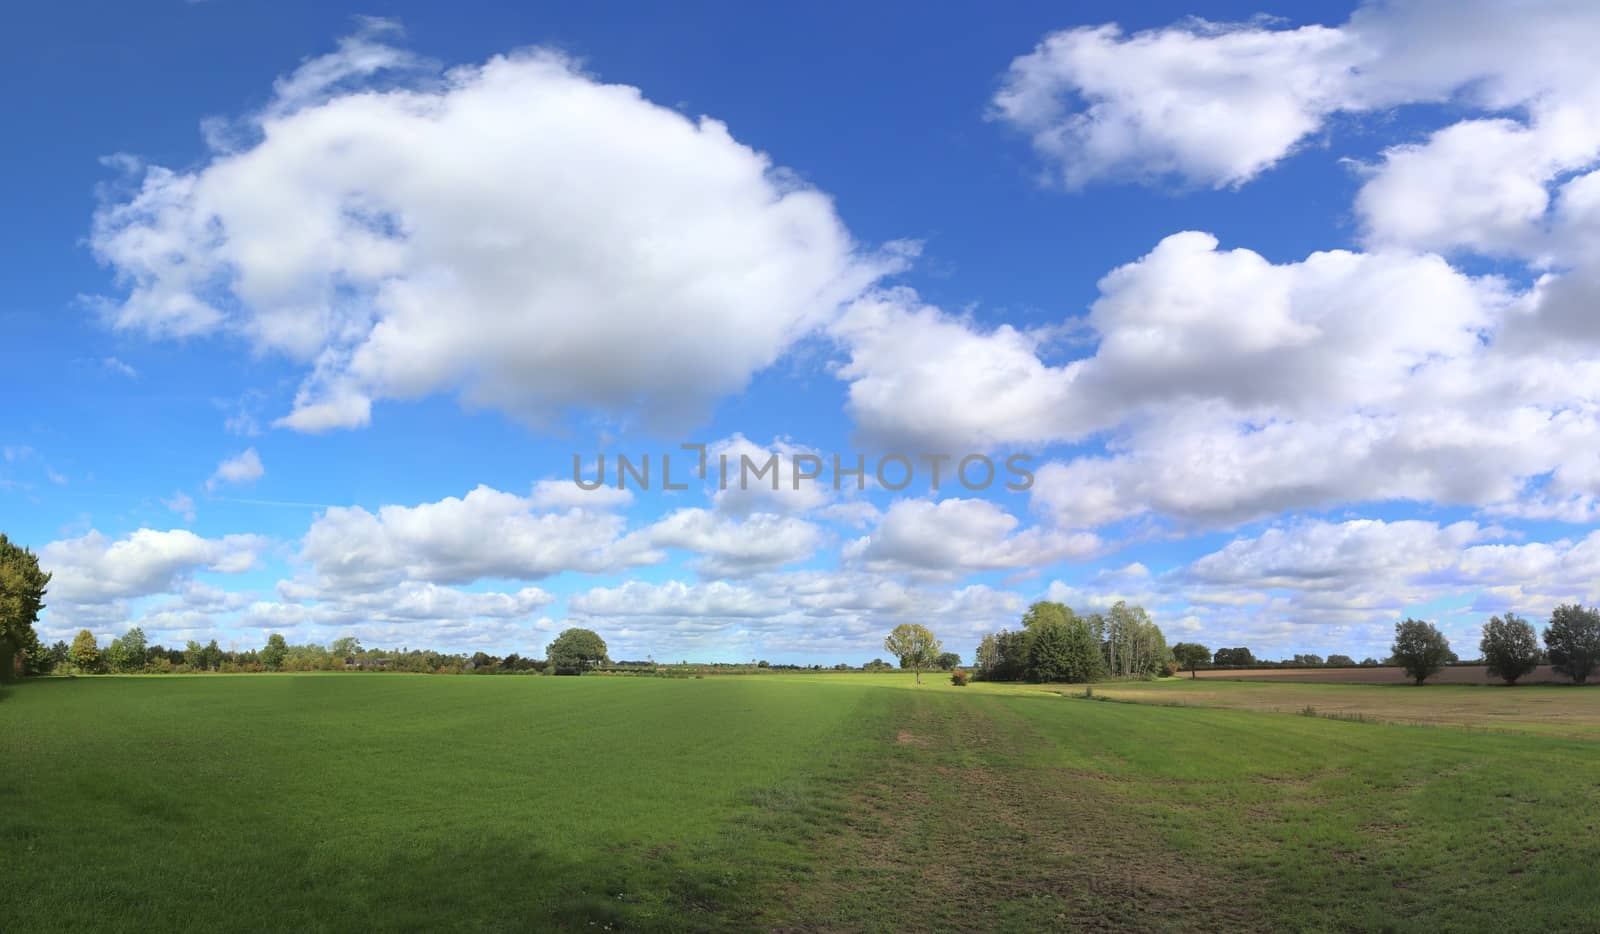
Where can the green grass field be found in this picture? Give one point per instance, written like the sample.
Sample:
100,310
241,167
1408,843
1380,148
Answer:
830,802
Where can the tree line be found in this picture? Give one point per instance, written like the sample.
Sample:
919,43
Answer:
573,652
1509,646
1057,644
1509,649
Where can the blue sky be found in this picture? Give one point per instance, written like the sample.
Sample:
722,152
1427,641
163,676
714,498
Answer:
306,302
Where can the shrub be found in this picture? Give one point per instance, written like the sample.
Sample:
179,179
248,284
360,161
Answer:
959,678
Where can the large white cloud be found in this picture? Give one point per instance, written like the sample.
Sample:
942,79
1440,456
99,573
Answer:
1225,387
1218,103
1187,322
961,536
1213,103
96,569
485,534
734,547
928,382
517,232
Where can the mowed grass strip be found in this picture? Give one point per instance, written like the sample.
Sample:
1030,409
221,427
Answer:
785,803
1027,812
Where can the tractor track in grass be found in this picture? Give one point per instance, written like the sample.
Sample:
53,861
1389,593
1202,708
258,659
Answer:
958,830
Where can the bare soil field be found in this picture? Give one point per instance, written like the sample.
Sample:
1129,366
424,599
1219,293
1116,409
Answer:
1455,674
1534,708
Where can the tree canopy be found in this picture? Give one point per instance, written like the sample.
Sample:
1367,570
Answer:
576,651
1240,657
1420,649
22,591
1063,649
276,650
85,653
1191,655
1509,646
1573,640
914,644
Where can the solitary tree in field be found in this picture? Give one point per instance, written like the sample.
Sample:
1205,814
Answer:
1573,640
915,646
85,652
22,587
1509,646
1191,655
1420,649
948,661
576,651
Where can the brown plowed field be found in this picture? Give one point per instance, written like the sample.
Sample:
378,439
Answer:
1456,674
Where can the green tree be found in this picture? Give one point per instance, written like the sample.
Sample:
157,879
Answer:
277,649
1510,647
22,590
114,657
85,652
1341,661
1240,657
344,647
948,661
576,651
1420,649
988,657
1573,640
1134,645
1003,655
1046,613
133,648
1063,651
1191,655
914,645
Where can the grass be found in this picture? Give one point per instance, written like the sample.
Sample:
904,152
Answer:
778,802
